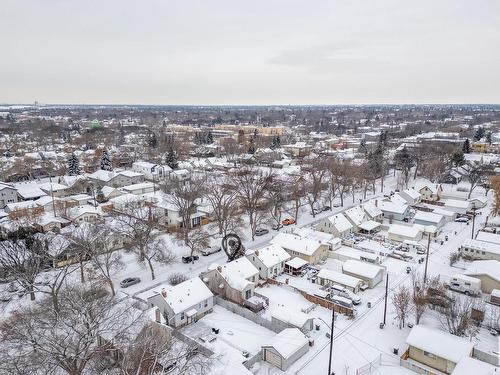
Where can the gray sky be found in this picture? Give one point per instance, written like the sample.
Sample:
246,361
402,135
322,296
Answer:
250,52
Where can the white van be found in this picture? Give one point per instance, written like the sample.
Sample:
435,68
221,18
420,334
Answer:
413,246
341,301
465,284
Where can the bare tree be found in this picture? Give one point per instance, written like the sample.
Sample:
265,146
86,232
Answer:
22,258
476,174
315,175
252,185
419,296
223,199
401,299
177,278
184,195
457,317
140,228
276,199
40,340
296,191
197,240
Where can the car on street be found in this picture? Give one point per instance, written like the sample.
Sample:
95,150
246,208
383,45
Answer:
6,296
326,208
190,258
211,250
462,219
261,231
288,221
129,281
277,226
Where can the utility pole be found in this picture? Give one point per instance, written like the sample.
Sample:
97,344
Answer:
473,221
386,292
331,342
427,255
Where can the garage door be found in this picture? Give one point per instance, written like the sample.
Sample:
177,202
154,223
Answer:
272,358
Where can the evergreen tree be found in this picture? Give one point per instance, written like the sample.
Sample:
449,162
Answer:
488,137
362,146
458,159
106,161
273,143
210,137
152,140
100,195
466,146
479,134
171,159
251,148
73,165
278,141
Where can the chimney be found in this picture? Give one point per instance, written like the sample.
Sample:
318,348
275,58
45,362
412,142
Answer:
219,268
164,293
158,315
376,203
257,252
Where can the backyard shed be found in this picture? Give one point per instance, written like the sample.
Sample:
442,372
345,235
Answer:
285,348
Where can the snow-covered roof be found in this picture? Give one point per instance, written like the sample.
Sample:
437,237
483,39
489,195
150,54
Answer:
312,234
369,225
484,267
371,209
29,191
271,255
24,205
488,237
355,214
293,242
296,262
339,278
285,314
404,230
288,342
412,193
495,293
442,211
4,185
469,366
140,185
481,245
398,199
340,222
439,343
456,203
186,294
361,268
392,207
428,217
237,272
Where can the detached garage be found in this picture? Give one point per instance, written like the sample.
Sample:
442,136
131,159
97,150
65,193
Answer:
369,273
285,348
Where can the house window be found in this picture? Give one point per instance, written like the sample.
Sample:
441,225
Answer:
248,294
182,315
429,355
206,303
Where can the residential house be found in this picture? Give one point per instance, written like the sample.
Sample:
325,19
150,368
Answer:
298,149
488,237
337,224
436,349
458,206
234,281
429,218
411,196
394,211
373,212
356,215
183,303
430,192
8,194
478,202
152,172
401,233
115,179
269,260
312,251
140,188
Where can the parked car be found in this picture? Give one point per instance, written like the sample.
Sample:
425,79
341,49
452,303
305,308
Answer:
326,208
342,301
462,219
288,221
129,281
277,226
338,290
190,258
261,231
211,250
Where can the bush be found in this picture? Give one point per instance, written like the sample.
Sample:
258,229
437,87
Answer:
177,278
454,257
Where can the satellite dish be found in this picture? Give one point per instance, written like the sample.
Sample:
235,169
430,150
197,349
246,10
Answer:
231,243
